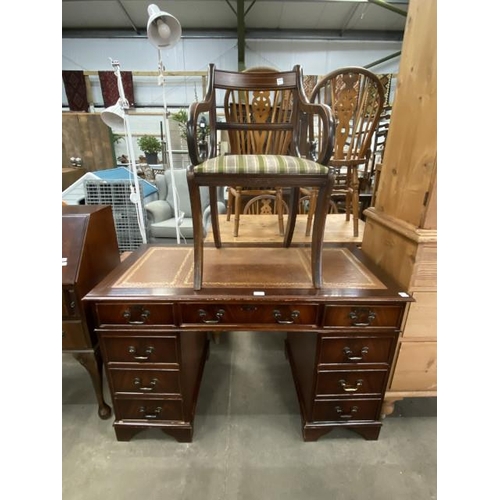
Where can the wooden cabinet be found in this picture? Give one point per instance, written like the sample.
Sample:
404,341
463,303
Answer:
154,329
400,232
89,253
86,136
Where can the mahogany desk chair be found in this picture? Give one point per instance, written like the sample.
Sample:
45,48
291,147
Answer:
250,91
356,97
257,144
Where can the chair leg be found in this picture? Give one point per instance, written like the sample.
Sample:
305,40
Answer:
194,195
312,207
348,204
214,215
237,211
318,232
292,216
230,202
279,210
355,210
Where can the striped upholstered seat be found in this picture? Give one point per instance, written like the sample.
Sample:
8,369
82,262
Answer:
282,134
260,164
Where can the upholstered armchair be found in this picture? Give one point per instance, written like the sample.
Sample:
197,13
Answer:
161,215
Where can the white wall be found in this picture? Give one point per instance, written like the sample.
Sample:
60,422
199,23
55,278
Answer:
317,57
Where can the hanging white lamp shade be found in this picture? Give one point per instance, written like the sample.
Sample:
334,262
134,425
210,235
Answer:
114,116
164,30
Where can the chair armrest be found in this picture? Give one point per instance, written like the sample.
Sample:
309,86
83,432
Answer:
327,132
208,105
158,210
195,110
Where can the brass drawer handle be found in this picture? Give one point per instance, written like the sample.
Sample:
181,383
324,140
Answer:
219,315
149,350
349,354
362,317
293,316
152,384
346,416
350,388
150,416
127,314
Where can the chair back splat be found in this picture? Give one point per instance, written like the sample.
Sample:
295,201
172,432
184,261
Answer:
263,115
356,97
262,107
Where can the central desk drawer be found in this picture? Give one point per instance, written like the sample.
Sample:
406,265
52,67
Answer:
363,316
135,314
140,381
265,314
139,349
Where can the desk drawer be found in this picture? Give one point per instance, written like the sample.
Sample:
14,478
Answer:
149,409
363,316
135,314
140,381
345,410
265,314
73,336
350,383
356,349
139,349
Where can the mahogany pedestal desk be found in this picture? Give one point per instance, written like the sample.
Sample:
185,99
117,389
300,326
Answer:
154,331
89,251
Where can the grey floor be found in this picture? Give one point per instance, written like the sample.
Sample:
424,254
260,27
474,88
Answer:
247,441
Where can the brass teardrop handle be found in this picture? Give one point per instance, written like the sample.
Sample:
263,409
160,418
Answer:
346,416
349,354
150,416
350,388
148,351
362,317
278,317
218,315
127,314
152,384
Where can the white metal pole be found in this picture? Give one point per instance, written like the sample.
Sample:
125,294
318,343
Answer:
135,196
161,81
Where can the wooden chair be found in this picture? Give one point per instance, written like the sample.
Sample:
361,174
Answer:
356,98
259,90
240,142
305,206
266,204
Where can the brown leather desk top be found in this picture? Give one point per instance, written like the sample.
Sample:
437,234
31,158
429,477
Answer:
235,272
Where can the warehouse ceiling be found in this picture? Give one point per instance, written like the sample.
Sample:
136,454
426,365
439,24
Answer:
322,19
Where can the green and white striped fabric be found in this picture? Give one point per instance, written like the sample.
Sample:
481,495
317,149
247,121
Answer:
259,164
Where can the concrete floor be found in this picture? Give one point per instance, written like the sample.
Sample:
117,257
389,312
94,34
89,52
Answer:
247,441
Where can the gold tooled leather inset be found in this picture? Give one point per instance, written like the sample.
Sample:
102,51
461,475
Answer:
247,267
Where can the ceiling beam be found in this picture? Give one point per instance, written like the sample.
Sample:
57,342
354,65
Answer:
388,6
250,34
134,27
240,9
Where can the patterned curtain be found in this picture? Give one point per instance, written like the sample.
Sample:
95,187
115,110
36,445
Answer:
109,87
309,83
76,91
386,81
